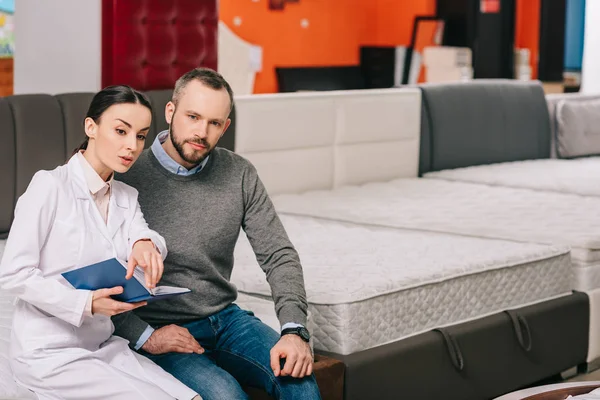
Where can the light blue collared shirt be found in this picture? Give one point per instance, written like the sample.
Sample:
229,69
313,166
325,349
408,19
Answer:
171,165
166,161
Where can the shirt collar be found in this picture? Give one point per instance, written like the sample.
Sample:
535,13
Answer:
94,182
167,162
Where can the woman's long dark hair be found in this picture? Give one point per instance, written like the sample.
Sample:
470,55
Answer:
109,96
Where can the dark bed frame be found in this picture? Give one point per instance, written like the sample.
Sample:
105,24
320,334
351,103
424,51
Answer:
476,360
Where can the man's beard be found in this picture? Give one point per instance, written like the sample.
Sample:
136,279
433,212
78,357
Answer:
193,158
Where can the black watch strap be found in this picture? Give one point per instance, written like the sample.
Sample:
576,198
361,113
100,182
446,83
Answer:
300,331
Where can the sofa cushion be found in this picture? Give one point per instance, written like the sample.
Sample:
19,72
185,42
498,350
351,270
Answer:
578,127
74,108
7,166
39,135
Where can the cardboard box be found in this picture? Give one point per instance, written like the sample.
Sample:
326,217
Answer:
522,57
553,87
446,56
448,74
523,72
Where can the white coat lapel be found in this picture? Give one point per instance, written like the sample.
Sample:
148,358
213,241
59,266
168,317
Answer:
83,194
117,210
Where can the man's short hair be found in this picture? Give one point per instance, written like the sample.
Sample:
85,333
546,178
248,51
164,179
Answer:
208,77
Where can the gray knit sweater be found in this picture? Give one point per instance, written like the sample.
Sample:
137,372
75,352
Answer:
200,218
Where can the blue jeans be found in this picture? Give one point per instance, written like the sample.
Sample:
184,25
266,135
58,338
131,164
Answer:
237,353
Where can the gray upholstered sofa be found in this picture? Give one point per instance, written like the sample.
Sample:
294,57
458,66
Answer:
40,131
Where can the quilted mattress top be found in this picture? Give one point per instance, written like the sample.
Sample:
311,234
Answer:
578,176
461,208
344,263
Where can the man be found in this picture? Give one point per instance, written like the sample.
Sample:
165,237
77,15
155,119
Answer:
198,197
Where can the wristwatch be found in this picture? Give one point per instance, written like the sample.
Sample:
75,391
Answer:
300,331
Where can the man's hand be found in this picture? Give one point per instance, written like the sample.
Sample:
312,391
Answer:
297,354
103,304
172,338
145,255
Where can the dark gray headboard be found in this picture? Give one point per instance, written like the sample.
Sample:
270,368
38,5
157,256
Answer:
7,167
34,137
483,122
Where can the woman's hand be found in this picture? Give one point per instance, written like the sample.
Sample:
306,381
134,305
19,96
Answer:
145,254
103,304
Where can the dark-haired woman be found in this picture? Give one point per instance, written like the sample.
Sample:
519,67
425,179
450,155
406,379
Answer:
75,215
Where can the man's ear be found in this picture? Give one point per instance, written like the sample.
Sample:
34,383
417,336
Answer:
169,111
91,128
227,123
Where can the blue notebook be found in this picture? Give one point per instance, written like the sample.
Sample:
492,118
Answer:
111,273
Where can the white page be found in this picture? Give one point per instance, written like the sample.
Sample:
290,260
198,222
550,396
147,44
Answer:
168,290
140,276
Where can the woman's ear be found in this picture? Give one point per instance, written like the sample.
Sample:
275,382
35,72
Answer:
91,127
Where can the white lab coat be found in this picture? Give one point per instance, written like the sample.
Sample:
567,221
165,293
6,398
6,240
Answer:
55,350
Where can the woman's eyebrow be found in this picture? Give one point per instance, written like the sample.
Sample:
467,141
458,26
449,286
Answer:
125,122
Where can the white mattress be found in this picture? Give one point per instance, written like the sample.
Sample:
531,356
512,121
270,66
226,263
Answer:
580,176
367,286
541,390
467,209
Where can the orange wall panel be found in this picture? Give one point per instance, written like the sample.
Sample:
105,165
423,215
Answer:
394,22
335,31
331,38
527,30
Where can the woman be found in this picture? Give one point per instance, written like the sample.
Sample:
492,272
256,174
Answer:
70,217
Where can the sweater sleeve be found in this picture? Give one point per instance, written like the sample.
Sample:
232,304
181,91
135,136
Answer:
274,252
129,326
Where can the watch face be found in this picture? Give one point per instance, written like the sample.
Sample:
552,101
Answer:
300,331
304,334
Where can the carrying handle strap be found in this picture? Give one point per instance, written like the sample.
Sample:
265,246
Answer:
453,349
521,328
